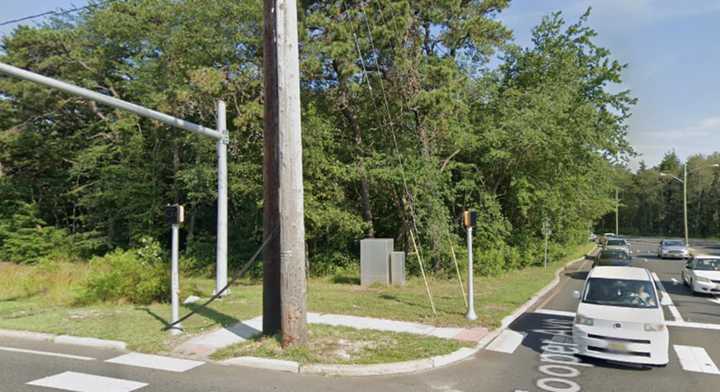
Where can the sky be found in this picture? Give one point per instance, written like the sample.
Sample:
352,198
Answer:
672,49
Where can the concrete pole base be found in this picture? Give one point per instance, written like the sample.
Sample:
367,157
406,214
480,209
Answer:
176,330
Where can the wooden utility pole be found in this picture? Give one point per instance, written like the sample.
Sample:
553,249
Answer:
285,287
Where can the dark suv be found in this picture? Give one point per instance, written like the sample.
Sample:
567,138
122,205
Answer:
612,258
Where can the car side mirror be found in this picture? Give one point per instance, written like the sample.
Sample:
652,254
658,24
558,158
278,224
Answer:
576,294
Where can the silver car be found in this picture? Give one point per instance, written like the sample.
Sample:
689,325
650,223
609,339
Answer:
673,249
618,243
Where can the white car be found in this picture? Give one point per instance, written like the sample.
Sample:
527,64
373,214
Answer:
702,274
620,317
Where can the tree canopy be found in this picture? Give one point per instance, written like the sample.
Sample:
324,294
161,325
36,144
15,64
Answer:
412,112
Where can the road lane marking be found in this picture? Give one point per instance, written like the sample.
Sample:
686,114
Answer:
46,353
80,382
675,282
667,300
556,312
507,342
715,300
686,324
695,359
156,362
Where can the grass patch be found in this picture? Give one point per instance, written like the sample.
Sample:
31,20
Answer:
345,345
39,298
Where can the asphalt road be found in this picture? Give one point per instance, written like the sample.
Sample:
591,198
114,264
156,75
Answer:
519,360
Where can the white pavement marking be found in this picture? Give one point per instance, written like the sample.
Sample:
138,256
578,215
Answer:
156,362
507,342
555,312
80,382
695,359
667,300
715,300
46,353
687,324
675,282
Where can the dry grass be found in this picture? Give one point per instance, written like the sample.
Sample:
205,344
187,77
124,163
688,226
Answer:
344,345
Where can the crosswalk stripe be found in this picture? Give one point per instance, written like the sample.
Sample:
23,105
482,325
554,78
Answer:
667,300
715,300
156,362
507,342
81,382
695,359
46,353
555,312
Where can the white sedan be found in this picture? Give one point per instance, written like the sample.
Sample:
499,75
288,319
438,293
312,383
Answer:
702,274
619,317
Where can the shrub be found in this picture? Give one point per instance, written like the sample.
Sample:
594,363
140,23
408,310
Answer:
25,238
135,276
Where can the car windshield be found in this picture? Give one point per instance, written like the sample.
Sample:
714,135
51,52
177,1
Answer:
707,264
620,292
674,243
616,242
614,254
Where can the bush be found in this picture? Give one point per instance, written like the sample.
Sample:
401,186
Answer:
25,238
135,276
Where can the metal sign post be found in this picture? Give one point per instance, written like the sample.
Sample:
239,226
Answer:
546,233
175,215
470,220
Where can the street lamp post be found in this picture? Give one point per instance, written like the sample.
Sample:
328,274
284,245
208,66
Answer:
685,203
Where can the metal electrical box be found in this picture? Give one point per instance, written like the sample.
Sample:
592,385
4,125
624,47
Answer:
375,260
397,268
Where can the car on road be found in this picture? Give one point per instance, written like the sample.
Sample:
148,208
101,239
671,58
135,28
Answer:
619,317
702,274
612,258
618,243
673,249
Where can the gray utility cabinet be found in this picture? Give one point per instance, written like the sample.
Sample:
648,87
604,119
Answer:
375,260
397,268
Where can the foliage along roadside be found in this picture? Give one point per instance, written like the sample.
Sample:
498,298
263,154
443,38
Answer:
405,122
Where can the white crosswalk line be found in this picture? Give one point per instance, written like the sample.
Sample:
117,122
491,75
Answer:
46,353
156,362
507,342
81,382
667,300
555,312
715,300
695,359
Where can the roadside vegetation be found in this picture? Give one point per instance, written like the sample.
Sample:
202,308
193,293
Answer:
412,112
344,345
43,298
652,204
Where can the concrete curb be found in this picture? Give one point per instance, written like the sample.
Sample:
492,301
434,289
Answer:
264,363
64,339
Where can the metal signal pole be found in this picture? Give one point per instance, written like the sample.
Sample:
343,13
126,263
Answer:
285,260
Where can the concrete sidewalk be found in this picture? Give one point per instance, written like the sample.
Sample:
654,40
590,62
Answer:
203,345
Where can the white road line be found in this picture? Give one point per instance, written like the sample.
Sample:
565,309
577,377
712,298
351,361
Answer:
80,382
715,300
555,312
507,342
46,353
686,324
667,300
695,359
675,282
156,362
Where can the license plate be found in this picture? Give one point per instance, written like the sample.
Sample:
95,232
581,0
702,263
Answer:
617,346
